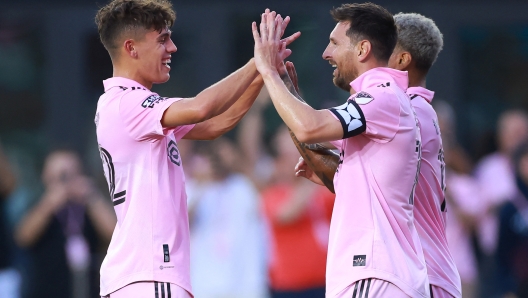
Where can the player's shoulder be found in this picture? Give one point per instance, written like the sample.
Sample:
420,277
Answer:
379,94
422,106
140,96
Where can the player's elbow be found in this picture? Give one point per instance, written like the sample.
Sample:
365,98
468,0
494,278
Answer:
306,133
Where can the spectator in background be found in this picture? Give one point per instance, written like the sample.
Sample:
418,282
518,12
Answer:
298,213
8,276
463,201
496,179
227,231
63,230
512,249
257,165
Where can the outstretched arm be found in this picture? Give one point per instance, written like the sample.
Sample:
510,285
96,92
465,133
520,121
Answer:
217,126
212,101
308,125
317,163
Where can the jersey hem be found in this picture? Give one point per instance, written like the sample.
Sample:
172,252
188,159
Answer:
119,283
407,289
448,287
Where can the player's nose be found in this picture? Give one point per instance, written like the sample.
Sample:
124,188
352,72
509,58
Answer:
172,47
327,54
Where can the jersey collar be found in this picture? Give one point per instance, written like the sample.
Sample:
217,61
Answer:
380,75
423,92
121,82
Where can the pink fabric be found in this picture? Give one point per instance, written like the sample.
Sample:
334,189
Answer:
372,287
148,290
438,292
372,233
429,196
142,166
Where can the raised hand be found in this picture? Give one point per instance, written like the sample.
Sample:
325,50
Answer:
268,43
283,51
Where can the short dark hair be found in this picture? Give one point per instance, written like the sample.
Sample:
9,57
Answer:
120,16
372,22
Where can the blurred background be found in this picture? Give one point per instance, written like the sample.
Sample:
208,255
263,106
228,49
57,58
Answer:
252,222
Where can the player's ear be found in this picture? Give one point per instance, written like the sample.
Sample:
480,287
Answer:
130,49
404,60
364,49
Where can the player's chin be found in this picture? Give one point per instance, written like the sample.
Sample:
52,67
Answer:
342,83
163,78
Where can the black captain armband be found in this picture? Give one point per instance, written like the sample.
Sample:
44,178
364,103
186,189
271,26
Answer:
351,117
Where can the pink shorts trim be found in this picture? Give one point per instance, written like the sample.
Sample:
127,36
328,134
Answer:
437,292
150,289
373,288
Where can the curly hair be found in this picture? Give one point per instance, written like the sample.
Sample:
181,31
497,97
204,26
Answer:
420,37
372,22
123,17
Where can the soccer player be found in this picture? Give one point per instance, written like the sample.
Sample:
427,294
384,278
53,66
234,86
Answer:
419,42
374,249
138,131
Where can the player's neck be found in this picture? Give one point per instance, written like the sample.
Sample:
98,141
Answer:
131,74
416,79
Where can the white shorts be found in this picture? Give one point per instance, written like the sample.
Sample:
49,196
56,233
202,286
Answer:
372,288
150,289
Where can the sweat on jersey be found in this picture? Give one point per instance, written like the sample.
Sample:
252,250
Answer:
430,204
372,233
144,172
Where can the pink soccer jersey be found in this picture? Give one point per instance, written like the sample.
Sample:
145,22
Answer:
144,172
430,204
372,233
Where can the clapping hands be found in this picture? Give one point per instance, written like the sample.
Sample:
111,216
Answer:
270,49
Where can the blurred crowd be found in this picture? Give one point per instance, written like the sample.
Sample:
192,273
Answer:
256,229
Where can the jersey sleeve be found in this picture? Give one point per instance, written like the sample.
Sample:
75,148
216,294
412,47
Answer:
141,112
351,118
381,109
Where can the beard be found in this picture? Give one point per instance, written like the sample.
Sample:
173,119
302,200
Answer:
343,79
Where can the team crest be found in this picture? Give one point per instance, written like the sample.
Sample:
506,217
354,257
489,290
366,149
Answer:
362,98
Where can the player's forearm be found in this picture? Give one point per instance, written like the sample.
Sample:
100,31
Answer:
294,112
306,123
230,118
219,97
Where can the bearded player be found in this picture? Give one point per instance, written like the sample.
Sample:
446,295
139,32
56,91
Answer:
374,249
419,42
138,131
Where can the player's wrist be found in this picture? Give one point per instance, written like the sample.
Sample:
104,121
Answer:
268,72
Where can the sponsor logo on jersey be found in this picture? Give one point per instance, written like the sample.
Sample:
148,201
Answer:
360,260
174,154
152,100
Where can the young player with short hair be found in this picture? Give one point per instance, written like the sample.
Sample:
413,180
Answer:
419,42
138,131
374,249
